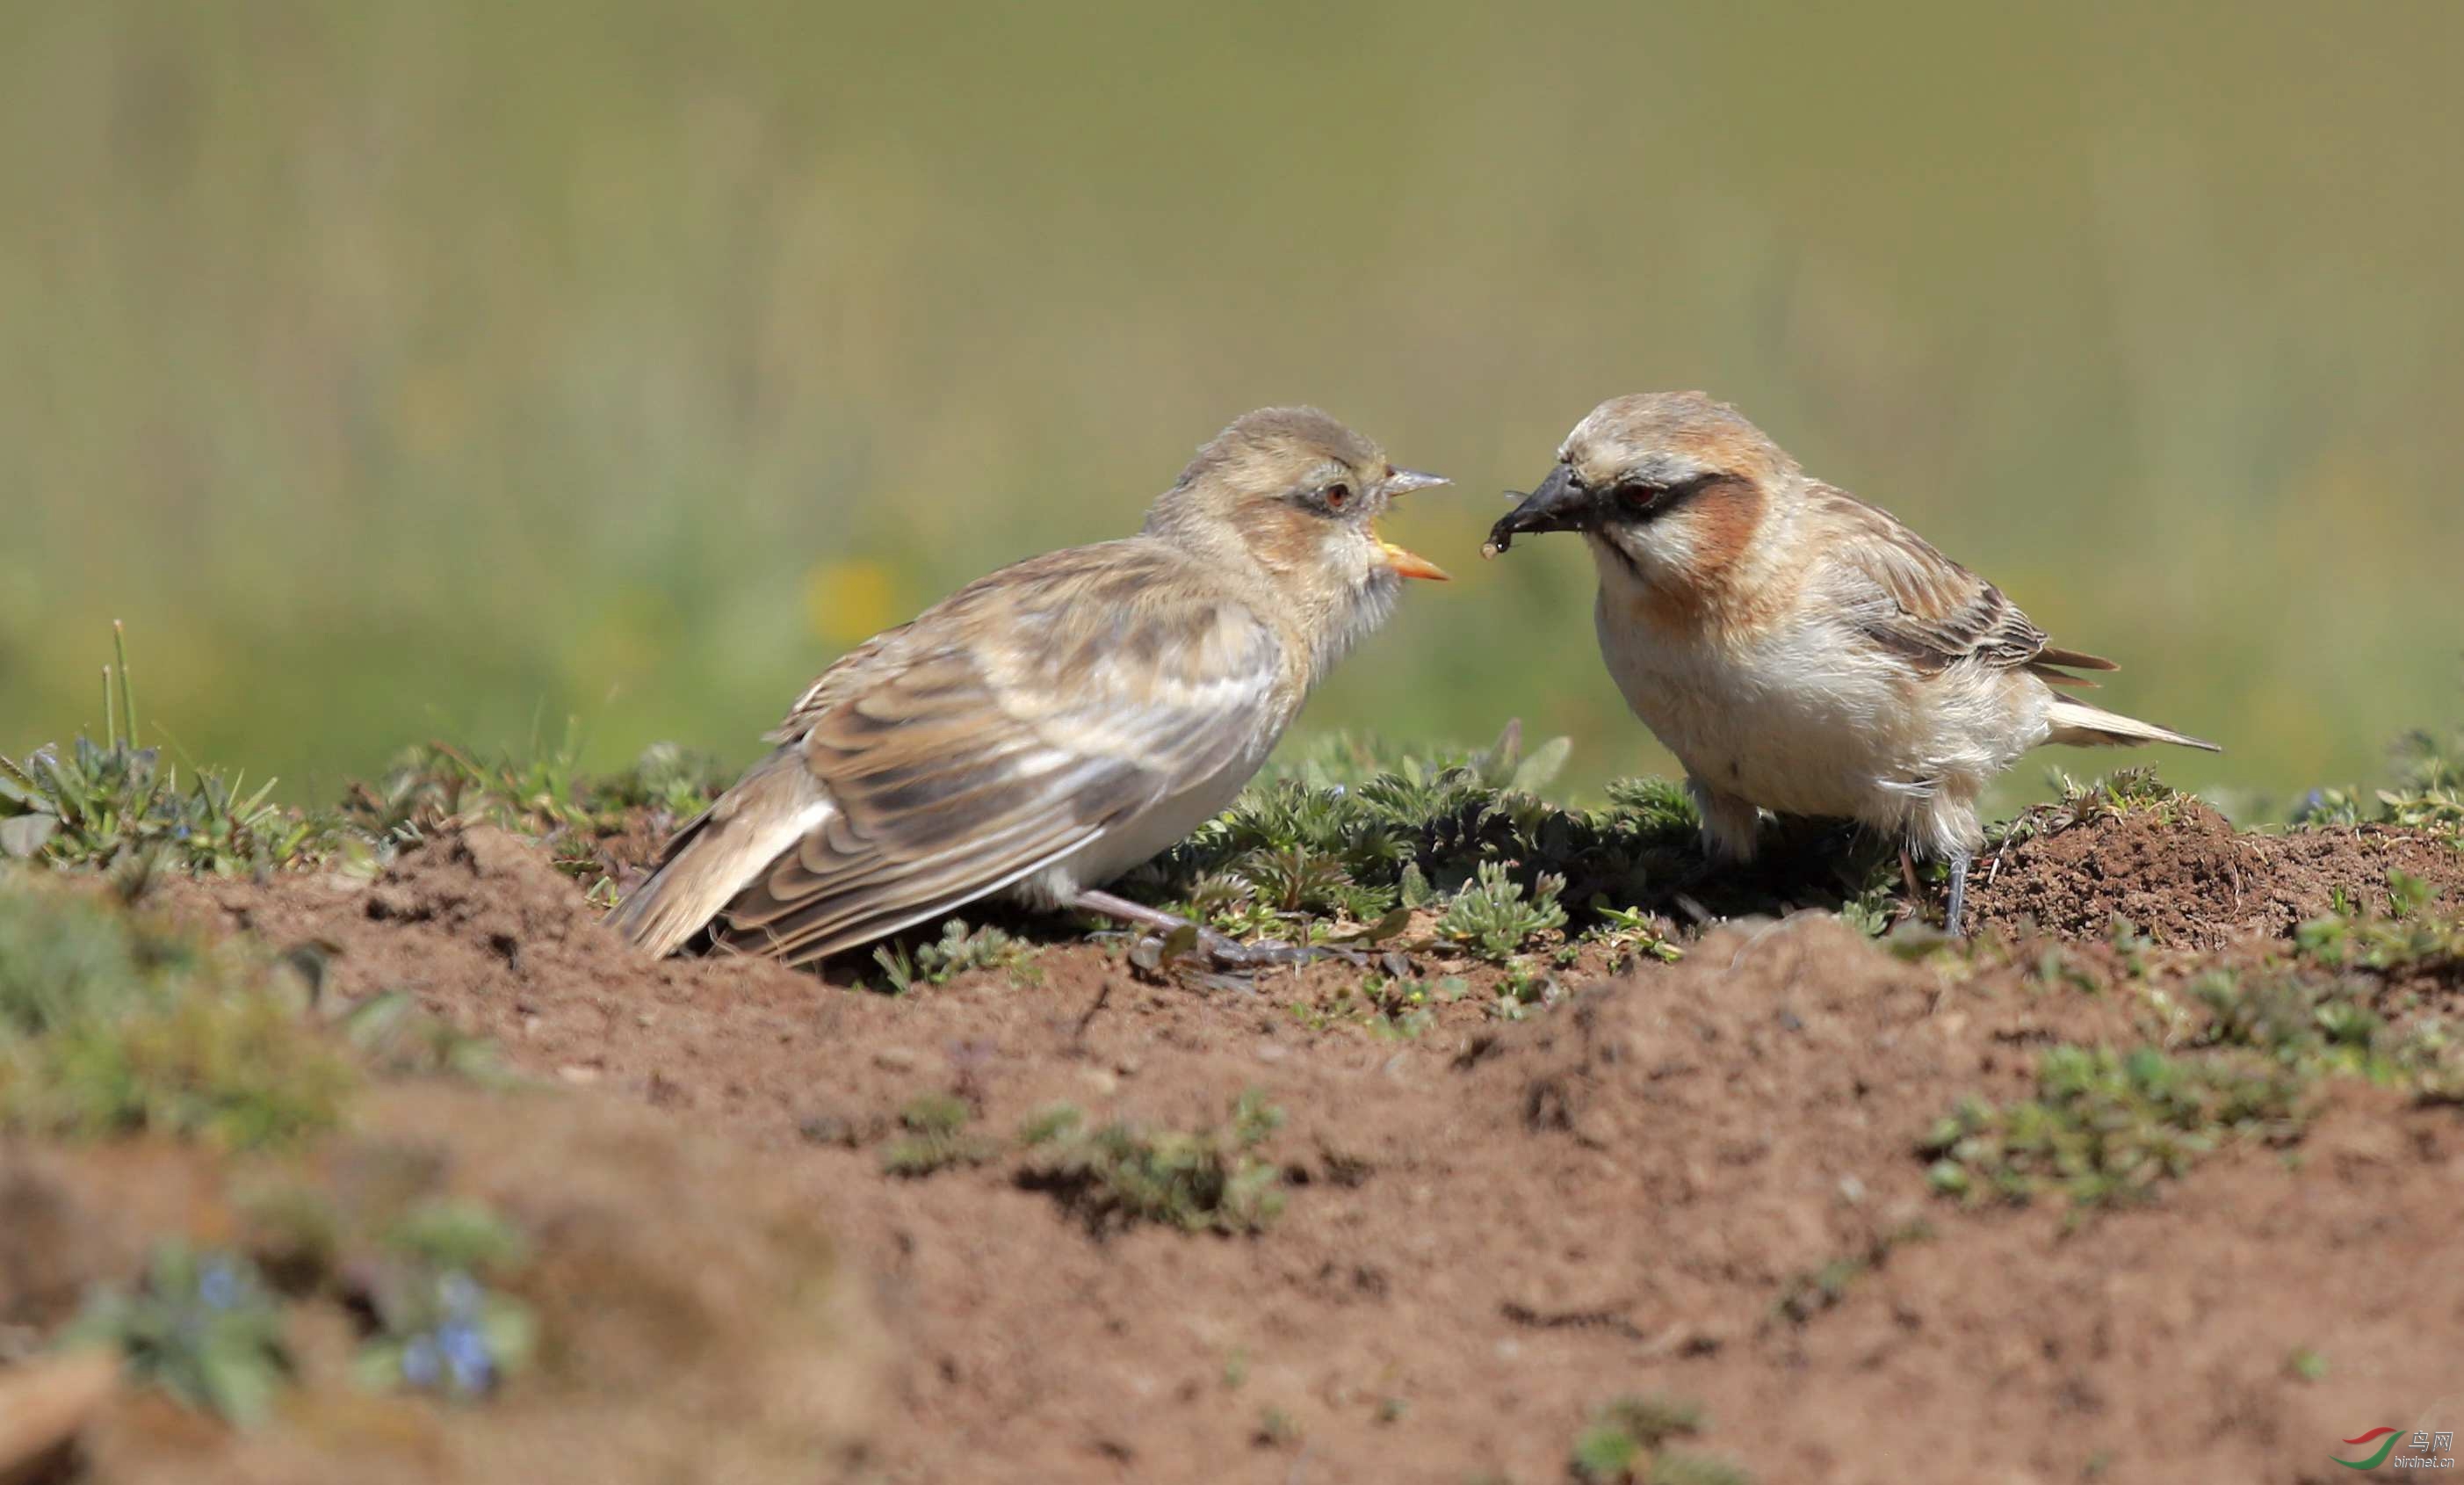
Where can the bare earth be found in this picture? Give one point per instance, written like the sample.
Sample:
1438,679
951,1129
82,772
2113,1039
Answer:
1699,1179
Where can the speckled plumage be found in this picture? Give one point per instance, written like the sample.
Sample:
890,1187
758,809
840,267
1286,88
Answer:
1052,724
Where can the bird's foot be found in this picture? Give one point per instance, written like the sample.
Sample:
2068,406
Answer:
1955,916
1228,953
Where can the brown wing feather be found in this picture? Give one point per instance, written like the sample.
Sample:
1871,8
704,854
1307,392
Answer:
1913,601
1013,724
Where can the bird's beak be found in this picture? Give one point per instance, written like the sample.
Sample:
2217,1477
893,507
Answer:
1406,563
1561,503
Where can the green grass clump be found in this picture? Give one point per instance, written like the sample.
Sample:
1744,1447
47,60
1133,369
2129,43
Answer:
540,793
1626,1444
113,1023
2106,1127
1360,834
958,950
1120,1174
2426,792
2304,1023
113,803
935,1137
2124,792
2401,934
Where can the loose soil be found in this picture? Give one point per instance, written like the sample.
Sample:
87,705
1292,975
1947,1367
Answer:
1699,1179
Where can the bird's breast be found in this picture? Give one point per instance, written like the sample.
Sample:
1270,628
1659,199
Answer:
1781,716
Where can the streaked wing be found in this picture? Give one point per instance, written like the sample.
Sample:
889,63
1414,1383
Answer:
1011,725
1896,591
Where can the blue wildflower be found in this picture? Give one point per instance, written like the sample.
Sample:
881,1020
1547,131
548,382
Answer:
421,1363
466,1355
218,1285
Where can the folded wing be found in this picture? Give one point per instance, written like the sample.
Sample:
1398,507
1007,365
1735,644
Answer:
1005,730
1904,596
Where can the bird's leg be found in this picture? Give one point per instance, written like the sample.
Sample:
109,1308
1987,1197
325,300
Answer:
1226,953
1956,916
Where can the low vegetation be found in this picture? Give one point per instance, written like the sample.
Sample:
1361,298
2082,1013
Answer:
1118,1174
115,1022
1627,1443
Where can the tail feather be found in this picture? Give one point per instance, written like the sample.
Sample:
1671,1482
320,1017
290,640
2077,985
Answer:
714,859
2077,724
2074,659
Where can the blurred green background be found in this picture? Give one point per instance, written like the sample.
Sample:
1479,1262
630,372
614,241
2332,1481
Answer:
449,369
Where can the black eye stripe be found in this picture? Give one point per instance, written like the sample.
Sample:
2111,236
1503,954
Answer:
1639,491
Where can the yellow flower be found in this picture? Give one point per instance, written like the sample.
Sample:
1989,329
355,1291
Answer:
848,602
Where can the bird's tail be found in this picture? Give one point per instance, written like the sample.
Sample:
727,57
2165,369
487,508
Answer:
715,856
2077,724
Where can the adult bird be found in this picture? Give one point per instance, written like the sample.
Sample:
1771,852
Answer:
1798,649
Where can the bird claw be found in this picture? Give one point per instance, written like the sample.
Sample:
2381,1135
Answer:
1224,952
1268,953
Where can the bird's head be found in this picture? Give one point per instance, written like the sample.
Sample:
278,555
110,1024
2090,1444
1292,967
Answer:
1673,481
1292,496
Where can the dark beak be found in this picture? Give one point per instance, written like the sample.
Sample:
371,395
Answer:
1561,503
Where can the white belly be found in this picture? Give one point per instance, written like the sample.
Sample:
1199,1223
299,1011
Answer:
1798,723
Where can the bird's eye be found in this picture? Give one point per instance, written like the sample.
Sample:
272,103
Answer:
1336,496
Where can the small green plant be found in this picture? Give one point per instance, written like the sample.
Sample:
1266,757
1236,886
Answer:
1624,1444
1119,1173
1812,1293
1492,917
2404,934
393,1033
1389,1007
2306,1025
204,1328
935,1137
958,950
2426,794
1630,934
438,1326
2127,791
111,1022
1525,985
539,792
110,803
1276,1430
2107,1127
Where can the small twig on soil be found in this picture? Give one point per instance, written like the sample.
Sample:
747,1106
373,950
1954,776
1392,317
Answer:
1608,1317
1103,998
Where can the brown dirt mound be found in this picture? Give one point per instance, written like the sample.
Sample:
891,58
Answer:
701,1323
1699,1179
2183,876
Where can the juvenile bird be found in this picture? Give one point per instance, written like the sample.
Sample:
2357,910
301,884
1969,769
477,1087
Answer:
1798,649
1051,725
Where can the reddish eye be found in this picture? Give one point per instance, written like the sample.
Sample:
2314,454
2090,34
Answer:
1337,497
